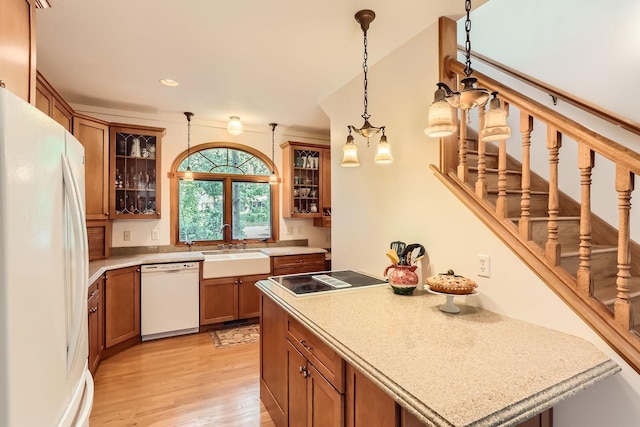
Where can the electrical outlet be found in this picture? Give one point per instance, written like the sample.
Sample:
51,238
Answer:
155,234
127,235
484,265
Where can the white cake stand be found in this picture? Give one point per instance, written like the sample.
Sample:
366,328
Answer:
449,306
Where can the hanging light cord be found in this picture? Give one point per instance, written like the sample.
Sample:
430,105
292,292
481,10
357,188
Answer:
188,141
273,142
365,68
467,46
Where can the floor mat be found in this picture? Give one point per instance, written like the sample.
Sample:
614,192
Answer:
235,335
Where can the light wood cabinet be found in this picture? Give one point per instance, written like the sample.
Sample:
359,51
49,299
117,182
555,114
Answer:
325,183
135,171
122,305
229,298
93,134
18,53
96,323
313,402
51,103
366,404
295,264
303,183
273,360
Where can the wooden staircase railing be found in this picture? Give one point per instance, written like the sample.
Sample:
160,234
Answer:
586,261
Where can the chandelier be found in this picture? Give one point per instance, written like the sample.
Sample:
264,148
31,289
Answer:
367,130
441,121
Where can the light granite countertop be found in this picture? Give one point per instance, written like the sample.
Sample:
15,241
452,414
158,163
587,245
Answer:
97,268
475,368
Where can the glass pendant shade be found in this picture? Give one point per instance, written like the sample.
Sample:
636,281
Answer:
273,179
350,154
384,151
440,117
188,174
234,127
495,123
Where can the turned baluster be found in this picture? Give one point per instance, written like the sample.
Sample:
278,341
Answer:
623,308
481,184
463,168
502,203
554,142
526,127
584,276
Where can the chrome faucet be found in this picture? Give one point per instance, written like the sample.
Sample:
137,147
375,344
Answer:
223,227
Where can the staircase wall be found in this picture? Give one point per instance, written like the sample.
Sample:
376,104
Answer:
375,204
584,48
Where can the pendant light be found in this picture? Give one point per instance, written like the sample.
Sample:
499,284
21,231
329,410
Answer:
234,127
350,153
273,179
188,175
367,130
441,122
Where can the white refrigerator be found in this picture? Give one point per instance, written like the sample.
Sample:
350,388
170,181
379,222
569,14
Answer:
44,376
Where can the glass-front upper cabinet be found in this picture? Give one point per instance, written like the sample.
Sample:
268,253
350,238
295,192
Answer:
302,189
135,171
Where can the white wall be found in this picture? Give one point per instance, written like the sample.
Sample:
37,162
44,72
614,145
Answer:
175,142
375,204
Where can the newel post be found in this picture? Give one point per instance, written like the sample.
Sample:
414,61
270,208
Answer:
447,48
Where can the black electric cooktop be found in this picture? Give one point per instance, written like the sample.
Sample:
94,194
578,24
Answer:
324,281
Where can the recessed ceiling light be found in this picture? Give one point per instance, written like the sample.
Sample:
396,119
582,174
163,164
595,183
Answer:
169,82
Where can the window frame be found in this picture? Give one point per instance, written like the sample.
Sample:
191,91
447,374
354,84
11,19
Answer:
175,176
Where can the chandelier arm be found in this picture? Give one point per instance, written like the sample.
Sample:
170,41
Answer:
446,88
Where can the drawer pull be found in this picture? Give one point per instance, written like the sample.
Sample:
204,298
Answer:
93,310
303,342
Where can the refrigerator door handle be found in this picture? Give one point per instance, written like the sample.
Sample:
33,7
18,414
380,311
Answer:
81,261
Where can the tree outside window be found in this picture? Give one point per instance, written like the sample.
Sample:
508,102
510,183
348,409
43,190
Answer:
230,186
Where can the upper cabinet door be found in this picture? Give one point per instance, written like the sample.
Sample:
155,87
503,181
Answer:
135,172
51,103
94,136
18,53
302,180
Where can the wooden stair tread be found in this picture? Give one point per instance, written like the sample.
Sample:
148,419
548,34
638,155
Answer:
560,218
487,153
607,294
494,170
573,250
532,192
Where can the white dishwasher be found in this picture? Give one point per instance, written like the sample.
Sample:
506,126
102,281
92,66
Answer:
170,295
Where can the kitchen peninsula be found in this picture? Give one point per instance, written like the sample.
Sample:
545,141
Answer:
476,368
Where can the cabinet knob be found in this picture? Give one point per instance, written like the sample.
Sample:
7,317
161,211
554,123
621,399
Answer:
303,370
93,310
1,83
158,213
240,281
235,281
106,213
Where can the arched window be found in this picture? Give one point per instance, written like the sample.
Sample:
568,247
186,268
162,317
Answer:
230,186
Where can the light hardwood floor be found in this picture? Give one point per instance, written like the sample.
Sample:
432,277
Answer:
181,381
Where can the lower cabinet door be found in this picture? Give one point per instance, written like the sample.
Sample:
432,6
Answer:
122,305
249,296
324,403
367,404
218,300
297,382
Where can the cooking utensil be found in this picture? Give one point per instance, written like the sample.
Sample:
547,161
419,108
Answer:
393,256
413,256
399,247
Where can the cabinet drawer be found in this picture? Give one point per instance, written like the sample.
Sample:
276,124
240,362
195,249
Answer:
288,261
325,360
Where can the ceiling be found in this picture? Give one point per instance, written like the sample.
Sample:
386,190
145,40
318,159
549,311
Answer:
265,61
